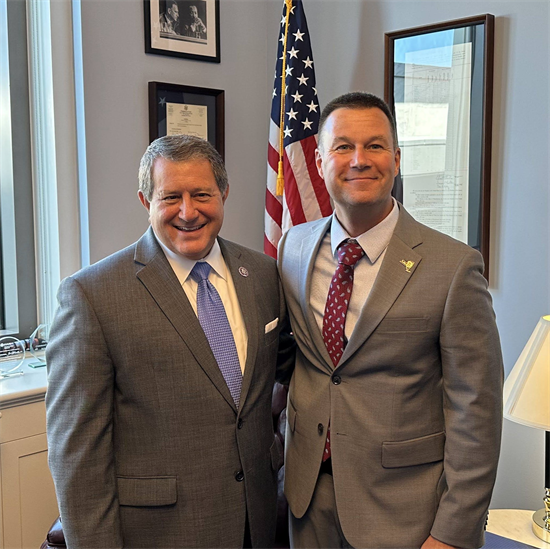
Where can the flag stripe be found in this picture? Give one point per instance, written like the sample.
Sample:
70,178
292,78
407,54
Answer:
273,206
303,183
272,158
292,195
309,145
269,248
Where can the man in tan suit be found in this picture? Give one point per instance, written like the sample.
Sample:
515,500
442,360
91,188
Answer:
394,413
156,440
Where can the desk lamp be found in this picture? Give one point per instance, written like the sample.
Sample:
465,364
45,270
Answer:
527,401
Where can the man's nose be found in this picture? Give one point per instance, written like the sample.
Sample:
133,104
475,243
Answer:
187,209
360,158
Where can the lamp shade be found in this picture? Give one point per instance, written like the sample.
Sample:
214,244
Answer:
527,388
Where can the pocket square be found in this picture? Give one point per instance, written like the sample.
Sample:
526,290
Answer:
271,325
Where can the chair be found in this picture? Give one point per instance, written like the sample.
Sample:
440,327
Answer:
278,411
55,537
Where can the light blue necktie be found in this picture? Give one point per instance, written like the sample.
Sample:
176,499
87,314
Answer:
213,319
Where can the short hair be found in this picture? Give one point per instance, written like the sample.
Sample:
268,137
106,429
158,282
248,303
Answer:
179,148
358,100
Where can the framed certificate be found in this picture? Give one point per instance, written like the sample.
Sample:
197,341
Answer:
439,84
183,28
176,109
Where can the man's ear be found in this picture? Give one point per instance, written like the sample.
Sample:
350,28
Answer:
319,162
397,160
225,194
144,201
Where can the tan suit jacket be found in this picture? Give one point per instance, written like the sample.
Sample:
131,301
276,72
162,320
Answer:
414,406
146,446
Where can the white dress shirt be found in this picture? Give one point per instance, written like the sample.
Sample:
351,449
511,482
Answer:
374,243
221,279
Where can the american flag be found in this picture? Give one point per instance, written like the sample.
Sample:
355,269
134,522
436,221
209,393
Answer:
305,197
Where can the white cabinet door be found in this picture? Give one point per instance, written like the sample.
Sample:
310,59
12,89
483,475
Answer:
29,505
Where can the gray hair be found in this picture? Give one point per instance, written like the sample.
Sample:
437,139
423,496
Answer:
179,148
358,100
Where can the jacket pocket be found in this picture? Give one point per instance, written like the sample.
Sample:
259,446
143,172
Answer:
147,491
416,451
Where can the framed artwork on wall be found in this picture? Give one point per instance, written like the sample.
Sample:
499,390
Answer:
183,28
439,84
176,109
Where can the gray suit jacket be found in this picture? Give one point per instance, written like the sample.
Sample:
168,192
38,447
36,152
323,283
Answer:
146,446
414,405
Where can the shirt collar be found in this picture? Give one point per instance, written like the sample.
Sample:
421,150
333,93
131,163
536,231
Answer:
374,241
183,266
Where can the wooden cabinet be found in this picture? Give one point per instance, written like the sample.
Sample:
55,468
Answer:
27,498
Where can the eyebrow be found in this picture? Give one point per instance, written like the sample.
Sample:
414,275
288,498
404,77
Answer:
164,192
372,138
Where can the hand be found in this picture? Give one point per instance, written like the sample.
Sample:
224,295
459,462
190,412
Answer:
432,543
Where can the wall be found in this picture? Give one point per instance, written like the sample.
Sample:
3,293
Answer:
116,72
348,46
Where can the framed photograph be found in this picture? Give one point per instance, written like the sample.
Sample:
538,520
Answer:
175,109
439,83
183,28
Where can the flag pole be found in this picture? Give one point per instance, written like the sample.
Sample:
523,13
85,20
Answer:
280,175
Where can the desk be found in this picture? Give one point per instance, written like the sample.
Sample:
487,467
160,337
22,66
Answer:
514,524
27,497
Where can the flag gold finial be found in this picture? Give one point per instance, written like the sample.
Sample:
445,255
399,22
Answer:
280,174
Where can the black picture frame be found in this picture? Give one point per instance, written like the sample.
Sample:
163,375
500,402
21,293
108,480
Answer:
162,94
415,54
190,30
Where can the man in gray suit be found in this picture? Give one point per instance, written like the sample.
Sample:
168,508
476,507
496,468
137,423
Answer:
155,438
394,412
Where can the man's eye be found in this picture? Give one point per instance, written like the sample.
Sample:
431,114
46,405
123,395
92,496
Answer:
343,147
170,198
202,195
376,146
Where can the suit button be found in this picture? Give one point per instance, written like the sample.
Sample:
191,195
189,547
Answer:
240,424
336,380
320,428
239,476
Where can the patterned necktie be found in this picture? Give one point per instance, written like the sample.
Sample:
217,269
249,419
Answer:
336,308
213,319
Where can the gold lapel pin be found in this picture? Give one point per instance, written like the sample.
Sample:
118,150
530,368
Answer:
408,265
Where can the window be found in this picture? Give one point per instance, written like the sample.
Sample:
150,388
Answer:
43,194
18,303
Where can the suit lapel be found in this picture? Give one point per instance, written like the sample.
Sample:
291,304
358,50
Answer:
398,266
155,273
244,278
309,249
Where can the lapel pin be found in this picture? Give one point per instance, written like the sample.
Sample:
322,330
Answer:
408,265
243,271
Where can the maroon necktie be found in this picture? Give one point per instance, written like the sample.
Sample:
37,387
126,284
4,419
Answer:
336,308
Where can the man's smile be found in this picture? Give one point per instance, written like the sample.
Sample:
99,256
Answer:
189,229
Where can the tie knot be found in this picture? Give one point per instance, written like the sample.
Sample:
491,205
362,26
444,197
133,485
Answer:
349,252
200,271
